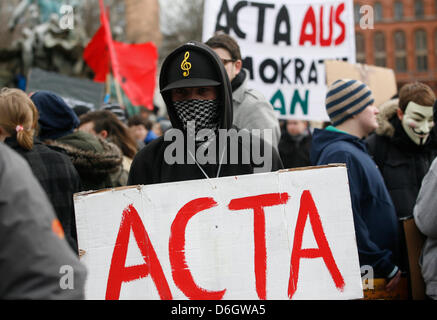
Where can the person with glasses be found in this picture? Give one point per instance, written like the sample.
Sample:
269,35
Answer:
251,109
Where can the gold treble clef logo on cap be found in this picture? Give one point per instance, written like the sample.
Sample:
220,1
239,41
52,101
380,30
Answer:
185,65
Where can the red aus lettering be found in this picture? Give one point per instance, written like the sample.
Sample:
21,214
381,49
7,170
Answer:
318,28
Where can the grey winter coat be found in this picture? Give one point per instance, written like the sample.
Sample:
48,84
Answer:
253,111
425,216
33,256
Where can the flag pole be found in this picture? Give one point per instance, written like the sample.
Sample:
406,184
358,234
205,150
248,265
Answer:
118,92
108,84
112,54
109,79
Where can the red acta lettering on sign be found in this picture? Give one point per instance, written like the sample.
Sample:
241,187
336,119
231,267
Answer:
180,270
317,27
308,208
182,276
118,273
257,203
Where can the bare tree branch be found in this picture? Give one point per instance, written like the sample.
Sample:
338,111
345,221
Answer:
181,21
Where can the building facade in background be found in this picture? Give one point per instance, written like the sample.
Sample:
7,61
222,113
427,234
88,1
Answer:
403,38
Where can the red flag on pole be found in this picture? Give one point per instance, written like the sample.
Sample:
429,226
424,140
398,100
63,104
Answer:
133,65
96,55
137,71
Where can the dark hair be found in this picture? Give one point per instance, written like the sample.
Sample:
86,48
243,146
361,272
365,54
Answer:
226,42
138,120
117,130
81,109
417,92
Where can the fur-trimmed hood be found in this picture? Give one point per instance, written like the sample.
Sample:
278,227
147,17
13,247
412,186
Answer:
91,156
387,111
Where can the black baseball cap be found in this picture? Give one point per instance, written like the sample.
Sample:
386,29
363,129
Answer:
189,67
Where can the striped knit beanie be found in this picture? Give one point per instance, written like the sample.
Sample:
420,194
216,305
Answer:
346,98
117,110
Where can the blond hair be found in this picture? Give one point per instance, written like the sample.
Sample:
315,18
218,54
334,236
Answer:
18,116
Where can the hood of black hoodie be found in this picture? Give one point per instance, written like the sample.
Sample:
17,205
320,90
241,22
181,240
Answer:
224,89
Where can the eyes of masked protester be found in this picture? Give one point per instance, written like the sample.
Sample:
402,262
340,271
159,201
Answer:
200,93
417,122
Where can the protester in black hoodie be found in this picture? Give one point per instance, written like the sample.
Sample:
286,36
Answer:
196,89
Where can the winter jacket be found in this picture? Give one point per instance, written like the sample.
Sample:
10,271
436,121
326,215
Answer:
373,211
295,150
59,179
98,162
253,111
425,216
35,262
149,165
402,163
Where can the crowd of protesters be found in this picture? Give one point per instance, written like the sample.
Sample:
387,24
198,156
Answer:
50,151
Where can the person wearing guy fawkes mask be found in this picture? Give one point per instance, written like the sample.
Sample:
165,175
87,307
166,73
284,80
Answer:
404,148
198,95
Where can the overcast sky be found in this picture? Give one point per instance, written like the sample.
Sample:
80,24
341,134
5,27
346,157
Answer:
174,13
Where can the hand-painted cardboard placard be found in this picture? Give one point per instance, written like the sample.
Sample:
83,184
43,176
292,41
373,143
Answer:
280,235
284,44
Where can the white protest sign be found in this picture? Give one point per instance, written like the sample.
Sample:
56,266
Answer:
284,44
280,235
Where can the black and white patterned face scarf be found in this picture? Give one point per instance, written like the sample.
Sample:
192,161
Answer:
204,113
